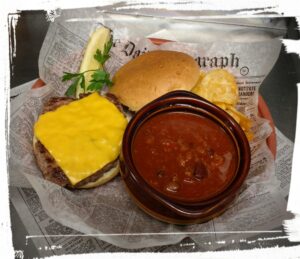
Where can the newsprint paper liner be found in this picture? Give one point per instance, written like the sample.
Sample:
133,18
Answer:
107,211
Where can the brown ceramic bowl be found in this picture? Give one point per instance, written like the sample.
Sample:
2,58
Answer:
183,209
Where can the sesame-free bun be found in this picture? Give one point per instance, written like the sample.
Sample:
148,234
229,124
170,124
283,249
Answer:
153,74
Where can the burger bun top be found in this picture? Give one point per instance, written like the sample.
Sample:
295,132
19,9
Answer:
152,75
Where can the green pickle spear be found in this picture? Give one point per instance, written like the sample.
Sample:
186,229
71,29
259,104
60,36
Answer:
98,39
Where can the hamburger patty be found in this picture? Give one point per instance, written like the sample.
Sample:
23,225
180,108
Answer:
49,167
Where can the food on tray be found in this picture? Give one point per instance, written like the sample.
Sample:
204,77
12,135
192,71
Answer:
153,74
92,76
97,43
242,119
183,159
77,142
219,87
184,155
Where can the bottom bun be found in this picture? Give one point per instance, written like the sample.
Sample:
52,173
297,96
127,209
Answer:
107,176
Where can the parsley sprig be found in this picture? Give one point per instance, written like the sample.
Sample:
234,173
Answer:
100,77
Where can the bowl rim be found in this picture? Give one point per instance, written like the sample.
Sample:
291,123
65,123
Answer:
178,98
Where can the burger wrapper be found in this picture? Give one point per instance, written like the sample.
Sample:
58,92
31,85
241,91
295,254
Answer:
107,212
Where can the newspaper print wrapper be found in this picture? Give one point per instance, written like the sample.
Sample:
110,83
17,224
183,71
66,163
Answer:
107,211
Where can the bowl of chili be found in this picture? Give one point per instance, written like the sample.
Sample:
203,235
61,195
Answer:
183,159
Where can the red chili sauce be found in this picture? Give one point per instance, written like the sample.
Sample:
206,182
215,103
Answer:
184,155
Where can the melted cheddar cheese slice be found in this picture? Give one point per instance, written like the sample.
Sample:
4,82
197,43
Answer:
82,136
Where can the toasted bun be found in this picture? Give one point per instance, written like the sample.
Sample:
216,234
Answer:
153,74
104,178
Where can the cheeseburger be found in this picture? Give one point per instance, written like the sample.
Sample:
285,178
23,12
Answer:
77,141
152,75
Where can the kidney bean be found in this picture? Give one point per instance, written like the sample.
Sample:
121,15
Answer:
200,171
210,152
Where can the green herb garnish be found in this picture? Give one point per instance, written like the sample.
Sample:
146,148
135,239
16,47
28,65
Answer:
100,77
